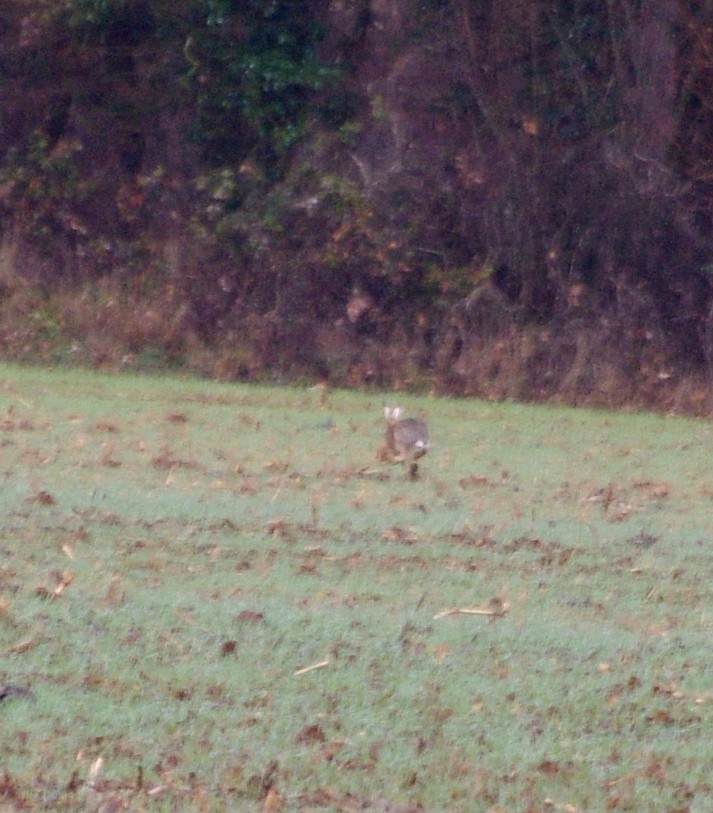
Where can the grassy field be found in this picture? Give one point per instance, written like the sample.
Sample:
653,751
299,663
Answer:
212,597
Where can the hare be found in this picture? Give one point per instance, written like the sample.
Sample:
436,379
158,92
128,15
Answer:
405,439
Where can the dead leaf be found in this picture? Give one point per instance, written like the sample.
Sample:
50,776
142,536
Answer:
64,580
166,461
274,801
311,734
105,426
259,785
613,698
177,417
670,689
406,536
660,716
41,498
331,749
228,648
441,652
111,597
276,527
108,459
531,126
474,480
249,617
249,486
277,466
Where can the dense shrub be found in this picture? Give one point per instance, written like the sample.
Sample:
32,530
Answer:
510,200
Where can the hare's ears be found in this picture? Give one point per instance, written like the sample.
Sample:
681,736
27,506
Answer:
392,413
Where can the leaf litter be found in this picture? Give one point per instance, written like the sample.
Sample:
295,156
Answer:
291,614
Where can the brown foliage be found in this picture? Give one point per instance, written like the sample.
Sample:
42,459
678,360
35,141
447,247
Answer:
517,204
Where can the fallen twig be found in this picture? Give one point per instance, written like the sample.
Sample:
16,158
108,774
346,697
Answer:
23,646
94,770
65,580
496,609
311,668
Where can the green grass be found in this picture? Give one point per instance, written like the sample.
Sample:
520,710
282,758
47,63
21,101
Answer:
172,552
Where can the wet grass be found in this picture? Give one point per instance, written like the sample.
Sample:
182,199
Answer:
219,600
